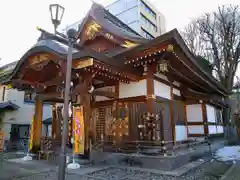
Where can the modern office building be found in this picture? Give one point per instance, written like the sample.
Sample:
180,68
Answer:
140,15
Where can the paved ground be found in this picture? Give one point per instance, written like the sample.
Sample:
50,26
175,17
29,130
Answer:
36,170
39,170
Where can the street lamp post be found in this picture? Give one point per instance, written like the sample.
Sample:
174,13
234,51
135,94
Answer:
56,15
56,12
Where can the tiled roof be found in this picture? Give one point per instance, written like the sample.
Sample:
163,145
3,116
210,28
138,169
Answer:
8,105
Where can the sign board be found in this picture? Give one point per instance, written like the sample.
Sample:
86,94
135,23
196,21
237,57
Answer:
79,64
1,141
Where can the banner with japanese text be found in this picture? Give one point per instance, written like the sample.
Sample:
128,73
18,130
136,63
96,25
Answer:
78,130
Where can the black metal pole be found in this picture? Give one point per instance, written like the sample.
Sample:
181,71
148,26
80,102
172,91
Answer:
62,163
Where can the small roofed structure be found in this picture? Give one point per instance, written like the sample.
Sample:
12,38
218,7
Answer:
146,92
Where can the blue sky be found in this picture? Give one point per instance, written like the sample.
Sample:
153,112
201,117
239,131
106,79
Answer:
19,19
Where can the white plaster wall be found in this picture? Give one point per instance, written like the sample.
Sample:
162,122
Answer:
24,114
133,89
194,113
212,129
219,129
198,129
176,92
211,115
161,89
181,133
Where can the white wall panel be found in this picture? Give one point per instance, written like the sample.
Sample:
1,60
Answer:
161,89
219,129
211,115
194,113
133,89
180,133
196,129
212,129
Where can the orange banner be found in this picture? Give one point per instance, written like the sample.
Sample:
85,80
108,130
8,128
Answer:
78,130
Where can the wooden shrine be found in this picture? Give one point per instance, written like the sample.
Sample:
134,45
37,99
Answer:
133,90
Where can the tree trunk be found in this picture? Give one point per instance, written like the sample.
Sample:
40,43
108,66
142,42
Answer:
226,114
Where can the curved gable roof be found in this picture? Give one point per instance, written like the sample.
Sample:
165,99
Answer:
111,23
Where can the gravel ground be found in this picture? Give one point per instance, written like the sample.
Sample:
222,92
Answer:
208,171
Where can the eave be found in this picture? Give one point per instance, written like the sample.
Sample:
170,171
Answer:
159,44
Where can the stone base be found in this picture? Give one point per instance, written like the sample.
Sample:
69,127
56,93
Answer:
159,162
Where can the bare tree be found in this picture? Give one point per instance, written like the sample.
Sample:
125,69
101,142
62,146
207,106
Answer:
216,37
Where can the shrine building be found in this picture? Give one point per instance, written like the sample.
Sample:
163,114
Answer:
132,90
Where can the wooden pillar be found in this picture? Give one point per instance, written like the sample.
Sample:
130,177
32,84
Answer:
37,124
54,121
85,99
148,70
185,116
205,124
172,113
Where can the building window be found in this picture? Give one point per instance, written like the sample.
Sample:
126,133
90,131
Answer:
148,23
148,9
134,26
129,16
146,34
117,7
29,97
131,3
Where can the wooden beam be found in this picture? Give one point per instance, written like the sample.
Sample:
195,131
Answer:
51,95
205,120
55,81
104,93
